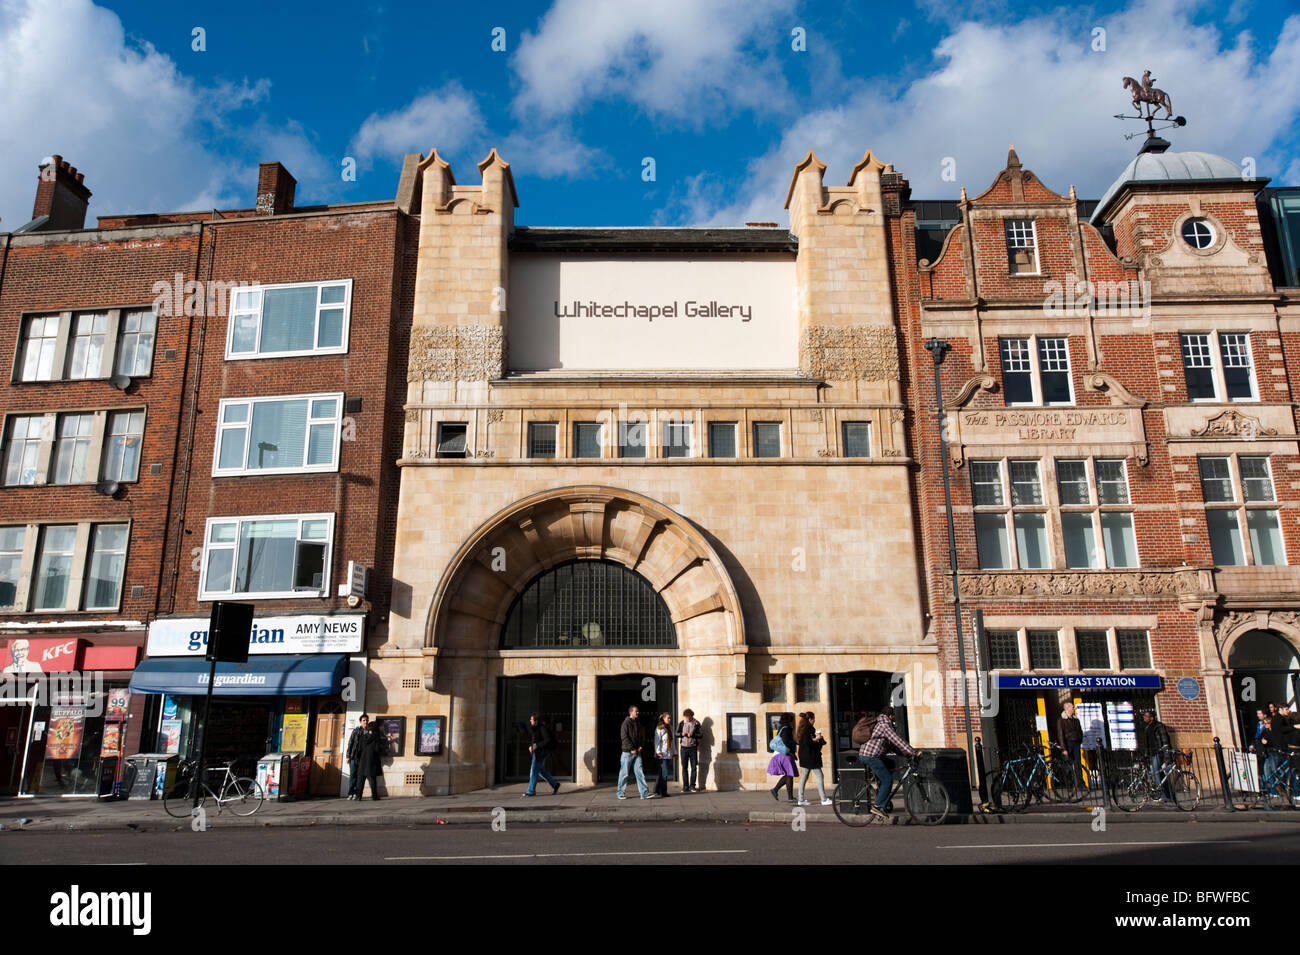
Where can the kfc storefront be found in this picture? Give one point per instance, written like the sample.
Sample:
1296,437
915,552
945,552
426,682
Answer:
66,714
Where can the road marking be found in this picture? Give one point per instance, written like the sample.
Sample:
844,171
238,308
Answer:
561,855
1099,842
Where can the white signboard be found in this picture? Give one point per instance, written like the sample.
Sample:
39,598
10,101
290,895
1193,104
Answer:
306,633
661,314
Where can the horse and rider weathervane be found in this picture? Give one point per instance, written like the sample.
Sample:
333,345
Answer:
1155,100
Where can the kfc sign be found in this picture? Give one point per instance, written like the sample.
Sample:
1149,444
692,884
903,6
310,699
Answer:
21,655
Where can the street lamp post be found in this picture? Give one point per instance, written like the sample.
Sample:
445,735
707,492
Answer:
937,347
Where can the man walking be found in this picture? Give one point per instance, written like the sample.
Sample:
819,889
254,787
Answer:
356,739
542,746
631,737
689,732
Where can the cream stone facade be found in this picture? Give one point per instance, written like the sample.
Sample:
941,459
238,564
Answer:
791,579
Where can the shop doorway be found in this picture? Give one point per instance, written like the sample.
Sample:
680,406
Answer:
614,694
241,730
1264,669
14,729
327,749
867,691
555,699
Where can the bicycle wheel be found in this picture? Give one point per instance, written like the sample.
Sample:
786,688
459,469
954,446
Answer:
1277,794
852,803
1131,791
926,800
243,796
1186,789
1065,785
1015,793
178,801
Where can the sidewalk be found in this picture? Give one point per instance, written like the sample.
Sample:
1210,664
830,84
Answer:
572,805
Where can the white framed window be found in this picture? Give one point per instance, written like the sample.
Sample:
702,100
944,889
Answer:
122,442
305,318
274,556
1036,371
856,436
676,439
72,453
1218,366
1022,246
58,545
543,439
23,449
1095,506
282,435
767,439
86,345
1198,233
1014,535
40,345
135,343
1238,492
13,540
588,439
722,439
107,567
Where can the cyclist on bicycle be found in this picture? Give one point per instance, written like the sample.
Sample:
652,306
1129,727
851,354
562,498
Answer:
1158,746
883,738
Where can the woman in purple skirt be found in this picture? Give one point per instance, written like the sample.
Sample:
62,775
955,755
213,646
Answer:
782,763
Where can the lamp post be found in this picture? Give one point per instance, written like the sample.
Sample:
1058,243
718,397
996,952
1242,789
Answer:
937,347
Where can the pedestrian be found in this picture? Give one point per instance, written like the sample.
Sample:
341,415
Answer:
664,751
689,732
1069,733
542,746
1157,743
811,742
1270,744
355,740
374,747
631,736
781,764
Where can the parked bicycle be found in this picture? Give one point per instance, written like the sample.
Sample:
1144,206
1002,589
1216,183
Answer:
1030,776
924,797
1278,788
1135,787
242,794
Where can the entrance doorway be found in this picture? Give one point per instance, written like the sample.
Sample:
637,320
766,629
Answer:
867,691
1264,670
14,730
614,694
554,698
327,749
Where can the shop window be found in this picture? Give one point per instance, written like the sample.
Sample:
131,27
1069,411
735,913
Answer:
1094,649
277,556
1089,515
452,437
587,439
767,439
275,320
856,436
773,687
722,439
1218,366
542,439
1238,491
1004,650
677,439
283,435
1036,371
1022,246
23,448
1134,649
1044,649
807,688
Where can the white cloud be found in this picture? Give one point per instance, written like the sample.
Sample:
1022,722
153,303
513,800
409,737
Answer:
1038,83
448,118
553,153
680,59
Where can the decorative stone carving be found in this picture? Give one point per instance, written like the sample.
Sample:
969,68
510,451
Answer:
1118,394
1233,424
825,452
854,352
969,387
815,415
896,415
1122,584
457,353
495,415
412,414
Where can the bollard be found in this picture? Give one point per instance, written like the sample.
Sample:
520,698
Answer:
1223,774
979,768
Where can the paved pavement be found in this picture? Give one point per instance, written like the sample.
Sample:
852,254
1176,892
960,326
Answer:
573,805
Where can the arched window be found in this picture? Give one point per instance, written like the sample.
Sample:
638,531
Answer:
588,603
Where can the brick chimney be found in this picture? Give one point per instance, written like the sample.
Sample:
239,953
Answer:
61,195
274,189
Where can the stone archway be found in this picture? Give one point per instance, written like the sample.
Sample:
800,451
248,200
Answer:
552,527
1259,654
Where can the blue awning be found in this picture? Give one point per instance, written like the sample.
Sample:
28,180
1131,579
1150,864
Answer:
263,675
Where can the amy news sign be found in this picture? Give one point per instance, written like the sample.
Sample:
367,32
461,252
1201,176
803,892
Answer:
305,633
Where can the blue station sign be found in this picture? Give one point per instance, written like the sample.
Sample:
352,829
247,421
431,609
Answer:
1080,681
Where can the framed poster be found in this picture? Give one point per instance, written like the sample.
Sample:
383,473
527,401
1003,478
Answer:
740,733
111,745
429,734
774,724
394,727
66,725
293,735
117,703
169,736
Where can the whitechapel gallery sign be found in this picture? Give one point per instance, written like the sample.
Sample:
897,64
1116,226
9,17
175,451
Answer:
660,314
305,633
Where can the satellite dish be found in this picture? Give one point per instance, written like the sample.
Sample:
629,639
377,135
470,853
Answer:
120,382
108,488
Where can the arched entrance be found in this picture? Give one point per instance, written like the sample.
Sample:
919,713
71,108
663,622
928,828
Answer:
1264,666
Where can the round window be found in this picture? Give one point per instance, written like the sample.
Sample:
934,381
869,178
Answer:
1198,233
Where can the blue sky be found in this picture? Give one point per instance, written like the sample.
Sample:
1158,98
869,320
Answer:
714,92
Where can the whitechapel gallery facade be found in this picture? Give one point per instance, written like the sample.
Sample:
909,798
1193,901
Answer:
662,467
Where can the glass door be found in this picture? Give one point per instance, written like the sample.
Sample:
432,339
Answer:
553,697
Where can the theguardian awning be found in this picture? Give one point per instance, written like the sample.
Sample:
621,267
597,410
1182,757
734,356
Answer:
262,675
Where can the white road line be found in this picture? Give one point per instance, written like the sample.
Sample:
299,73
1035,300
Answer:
1072,845
561,855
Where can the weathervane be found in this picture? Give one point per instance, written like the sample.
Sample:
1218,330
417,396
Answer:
1156,99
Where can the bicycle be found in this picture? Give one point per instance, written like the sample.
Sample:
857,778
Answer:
1279,788
242,794
924,797
1135,787
1012,786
